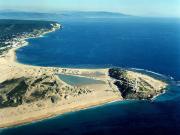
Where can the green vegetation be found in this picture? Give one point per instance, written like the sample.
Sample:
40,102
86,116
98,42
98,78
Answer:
12,30
12,92
20,91
133,88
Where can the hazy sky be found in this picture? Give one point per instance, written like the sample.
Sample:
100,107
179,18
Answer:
134,7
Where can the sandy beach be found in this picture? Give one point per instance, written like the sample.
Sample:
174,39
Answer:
28,112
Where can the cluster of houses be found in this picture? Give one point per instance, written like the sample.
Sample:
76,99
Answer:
18,39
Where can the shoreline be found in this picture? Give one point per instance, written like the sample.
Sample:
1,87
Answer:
12,67
28,113
56,114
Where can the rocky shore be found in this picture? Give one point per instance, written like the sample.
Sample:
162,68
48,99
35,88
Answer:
133,85
30,93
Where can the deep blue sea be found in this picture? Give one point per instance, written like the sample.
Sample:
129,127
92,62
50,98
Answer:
151,44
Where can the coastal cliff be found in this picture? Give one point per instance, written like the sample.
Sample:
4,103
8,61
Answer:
33,93
133,85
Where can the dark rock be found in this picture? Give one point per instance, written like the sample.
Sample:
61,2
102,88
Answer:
132,89
54,99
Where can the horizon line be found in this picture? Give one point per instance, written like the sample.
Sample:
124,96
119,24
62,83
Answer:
105,11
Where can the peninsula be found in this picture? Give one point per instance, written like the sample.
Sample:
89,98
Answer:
29,93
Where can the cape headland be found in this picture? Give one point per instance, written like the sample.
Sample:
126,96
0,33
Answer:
29,93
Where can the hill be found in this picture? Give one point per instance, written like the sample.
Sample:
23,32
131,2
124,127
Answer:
57,15
13,31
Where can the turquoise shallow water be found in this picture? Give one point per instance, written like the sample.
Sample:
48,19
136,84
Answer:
143,43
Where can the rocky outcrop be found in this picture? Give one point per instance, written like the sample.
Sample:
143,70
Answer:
134,85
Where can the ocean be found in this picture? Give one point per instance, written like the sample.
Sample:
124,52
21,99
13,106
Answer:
149,44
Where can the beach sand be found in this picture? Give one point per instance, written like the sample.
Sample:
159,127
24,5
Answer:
42,109
26,113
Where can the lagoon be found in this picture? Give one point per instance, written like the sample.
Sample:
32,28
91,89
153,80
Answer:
78,80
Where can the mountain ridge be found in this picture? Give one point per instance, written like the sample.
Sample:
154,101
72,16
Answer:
61,14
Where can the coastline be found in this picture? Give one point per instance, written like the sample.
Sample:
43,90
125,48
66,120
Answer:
11,68
28,113
57,113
